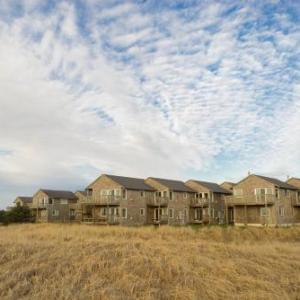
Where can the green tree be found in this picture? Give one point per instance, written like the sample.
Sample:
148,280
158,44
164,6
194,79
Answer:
3,217
19,214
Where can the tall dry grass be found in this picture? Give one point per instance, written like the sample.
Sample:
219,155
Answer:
86,262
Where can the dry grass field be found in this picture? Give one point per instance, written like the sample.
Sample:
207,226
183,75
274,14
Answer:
43,261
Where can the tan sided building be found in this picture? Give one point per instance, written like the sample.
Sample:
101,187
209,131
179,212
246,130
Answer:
172,201
227,185
23,201
208,205
54,206
260,200
114,199
296,205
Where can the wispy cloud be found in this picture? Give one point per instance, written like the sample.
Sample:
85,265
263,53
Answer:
176,89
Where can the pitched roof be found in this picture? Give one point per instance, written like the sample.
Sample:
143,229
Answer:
277,182
297,185
24,199
174,185
214,187
83,193
59,194
131,183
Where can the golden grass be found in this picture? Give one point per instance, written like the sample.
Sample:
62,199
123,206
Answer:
44,261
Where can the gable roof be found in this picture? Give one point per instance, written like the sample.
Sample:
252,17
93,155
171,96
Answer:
174,185
275,181
131,183
83,193
59,194
296,179
24,199
213,187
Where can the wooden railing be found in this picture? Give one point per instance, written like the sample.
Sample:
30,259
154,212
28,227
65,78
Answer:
102,199
199,202
250,200
158,201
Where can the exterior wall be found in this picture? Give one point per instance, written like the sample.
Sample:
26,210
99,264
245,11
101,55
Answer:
215,213
252,215
179,203
294,181
227,186
280,211
133,202
45,212
250,183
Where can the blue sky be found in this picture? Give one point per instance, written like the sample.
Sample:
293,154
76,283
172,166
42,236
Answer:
177,89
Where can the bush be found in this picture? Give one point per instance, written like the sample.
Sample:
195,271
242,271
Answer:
18,214
3,217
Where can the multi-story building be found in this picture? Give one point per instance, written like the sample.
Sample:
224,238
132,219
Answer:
208,205
296,204
260,200
172,201
114,199
54,206
23,201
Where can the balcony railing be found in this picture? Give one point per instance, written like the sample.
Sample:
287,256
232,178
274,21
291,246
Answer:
158,201
199,202
102,199
296,202
251,200
39,205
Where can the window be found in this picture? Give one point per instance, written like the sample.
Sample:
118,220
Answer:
103,211
206,195
281,211
185,212
142,211
117,192
263,191
124,194
171,213
72,212
171,195
237,192
124,213
185,195
264,211
63,201
142,194
55,212
165,193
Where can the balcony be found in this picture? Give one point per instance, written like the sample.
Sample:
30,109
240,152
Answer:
102,200
39,205
296,202
199,202
250,200
158,201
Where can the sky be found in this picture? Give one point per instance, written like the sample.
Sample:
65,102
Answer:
178,89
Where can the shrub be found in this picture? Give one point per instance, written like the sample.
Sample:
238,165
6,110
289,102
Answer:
18,214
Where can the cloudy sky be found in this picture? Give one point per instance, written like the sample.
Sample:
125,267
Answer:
176,89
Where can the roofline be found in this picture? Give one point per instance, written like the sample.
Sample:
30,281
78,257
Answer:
200,182
176,190
265,179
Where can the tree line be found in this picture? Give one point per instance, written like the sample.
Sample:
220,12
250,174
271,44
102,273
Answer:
17,214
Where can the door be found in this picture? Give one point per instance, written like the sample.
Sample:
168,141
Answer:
230,215
156,214
198,214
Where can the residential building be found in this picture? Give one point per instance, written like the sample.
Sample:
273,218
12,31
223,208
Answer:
54,206
172,201
260,200
23,201
296,204
114,199
208,205
227,185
